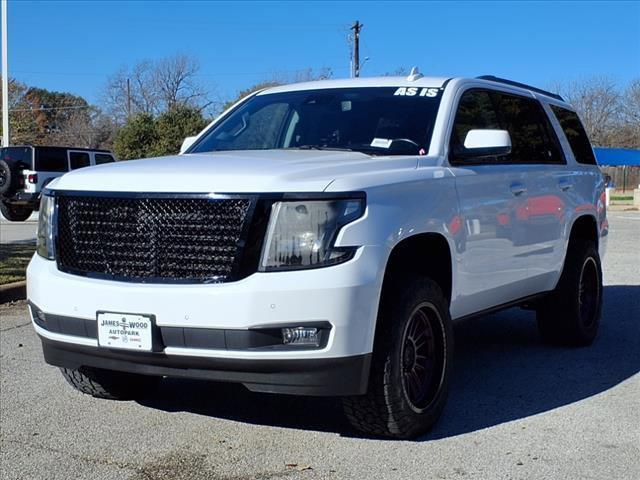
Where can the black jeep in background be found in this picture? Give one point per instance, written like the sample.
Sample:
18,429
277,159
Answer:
25,170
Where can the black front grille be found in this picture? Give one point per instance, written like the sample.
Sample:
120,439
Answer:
151,239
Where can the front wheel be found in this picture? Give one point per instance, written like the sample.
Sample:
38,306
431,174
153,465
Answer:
411,365
15,213
571,314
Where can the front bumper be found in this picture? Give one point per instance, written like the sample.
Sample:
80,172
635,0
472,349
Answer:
321,377
344,297
23,198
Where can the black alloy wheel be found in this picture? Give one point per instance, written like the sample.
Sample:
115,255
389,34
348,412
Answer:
422,357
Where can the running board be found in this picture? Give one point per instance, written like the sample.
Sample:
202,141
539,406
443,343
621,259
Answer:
524,302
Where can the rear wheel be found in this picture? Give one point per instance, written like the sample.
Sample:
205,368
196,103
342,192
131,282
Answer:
571,313
411,366
109,384
15,213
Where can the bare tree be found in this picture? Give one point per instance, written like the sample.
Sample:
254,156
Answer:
129,92
611,117
152,87
597,101
175,83
631,103
398,72
88,128
627,135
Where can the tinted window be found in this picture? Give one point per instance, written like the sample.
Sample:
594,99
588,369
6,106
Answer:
78,160
103,158
529,128
361,119
532,137
475,111
576,135
256,131
50,159
20,155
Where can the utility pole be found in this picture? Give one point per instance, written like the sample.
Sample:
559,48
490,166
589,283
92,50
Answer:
356,48
5,78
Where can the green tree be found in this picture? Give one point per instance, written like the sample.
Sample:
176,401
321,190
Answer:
53,111
43,117
172,126
136,139
143,136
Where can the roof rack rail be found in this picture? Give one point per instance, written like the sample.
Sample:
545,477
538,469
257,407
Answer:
521,85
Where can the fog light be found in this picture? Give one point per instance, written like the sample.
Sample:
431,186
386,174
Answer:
301,336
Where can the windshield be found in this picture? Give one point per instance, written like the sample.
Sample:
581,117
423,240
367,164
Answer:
380,120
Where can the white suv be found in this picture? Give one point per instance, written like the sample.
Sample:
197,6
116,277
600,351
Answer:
320,239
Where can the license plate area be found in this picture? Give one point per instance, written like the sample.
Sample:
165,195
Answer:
127,331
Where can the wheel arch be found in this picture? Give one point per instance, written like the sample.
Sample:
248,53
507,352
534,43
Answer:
584,227
426,254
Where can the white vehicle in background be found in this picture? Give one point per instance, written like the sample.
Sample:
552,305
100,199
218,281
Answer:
320,239
25,170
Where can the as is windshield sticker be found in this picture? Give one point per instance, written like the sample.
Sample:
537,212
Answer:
416,92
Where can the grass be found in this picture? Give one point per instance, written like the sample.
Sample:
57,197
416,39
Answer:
621,198
14,258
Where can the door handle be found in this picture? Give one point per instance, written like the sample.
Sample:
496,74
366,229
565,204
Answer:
518,189
565,185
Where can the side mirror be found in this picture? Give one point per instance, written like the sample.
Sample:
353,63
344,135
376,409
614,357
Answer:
187,143
485,143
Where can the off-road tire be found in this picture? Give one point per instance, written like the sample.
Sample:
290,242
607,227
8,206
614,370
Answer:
108,384
7,179
385,410
15,213
570,315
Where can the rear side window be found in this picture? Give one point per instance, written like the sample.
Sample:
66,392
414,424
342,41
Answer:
531,137
103,158
20,155
79,160
576,135
49,159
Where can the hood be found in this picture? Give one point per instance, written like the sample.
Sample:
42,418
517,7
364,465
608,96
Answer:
233,172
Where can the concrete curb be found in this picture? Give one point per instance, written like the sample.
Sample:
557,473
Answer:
13,291
616,207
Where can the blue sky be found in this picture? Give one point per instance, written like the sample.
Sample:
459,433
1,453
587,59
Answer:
74,46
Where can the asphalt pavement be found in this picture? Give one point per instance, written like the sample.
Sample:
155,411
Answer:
518,410
18,232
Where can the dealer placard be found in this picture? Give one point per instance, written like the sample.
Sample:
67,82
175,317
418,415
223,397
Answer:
123,330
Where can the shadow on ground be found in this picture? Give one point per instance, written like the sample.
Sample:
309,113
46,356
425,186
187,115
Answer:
503,373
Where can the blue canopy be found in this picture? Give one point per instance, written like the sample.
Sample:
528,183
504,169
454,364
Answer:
617,157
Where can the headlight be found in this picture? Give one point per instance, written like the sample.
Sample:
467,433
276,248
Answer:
45,227
301,234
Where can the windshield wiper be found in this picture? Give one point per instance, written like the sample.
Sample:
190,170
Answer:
321,147
360,149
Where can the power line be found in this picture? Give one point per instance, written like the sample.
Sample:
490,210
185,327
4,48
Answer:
76,107
103,74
